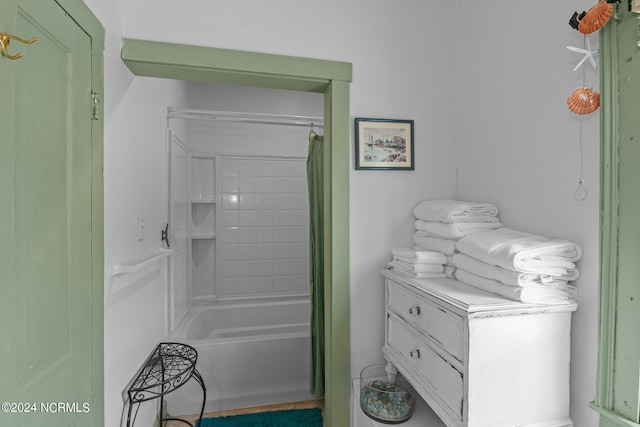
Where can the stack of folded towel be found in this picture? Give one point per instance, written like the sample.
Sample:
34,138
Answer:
518,265
418,263
441,223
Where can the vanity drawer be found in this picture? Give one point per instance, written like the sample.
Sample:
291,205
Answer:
427,364
444,327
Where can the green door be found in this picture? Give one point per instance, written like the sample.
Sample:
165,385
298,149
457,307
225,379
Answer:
48,285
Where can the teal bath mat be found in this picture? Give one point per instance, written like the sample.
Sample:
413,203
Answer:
293,418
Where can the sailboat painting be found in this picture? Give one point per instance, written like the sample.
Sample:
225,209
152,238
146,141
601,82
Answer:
384,144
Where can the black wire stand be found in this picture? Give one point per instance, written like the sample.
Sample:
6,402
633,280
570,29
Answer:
167,368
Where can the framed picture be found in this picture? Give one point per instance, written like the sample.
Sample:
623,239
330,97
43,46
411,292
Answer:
384,144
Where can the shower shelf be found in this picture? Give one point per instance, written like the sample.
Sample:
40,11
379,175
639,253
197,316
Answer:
140,263
203,201
201,236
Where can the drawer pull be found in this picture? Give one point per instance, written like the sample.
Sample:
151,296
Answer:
415,354
414,310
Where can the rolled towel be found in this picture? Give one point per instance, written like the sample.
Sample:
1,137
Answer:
455,211
453,230
437,244
543,294
523,252
416,256
414,274
417,268
504,276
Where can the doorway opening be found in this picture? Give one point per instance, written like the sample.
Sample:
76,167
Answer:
332,78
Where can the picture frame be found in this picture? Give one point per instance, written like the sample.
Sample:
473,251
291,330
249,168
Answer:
384,144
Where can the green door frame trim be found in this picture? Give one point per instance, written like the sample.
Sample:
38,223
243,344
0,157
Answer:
608,214
212,65
609,202
85,19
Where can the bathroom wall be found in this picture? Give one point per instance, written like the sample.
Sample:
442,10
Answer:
519,146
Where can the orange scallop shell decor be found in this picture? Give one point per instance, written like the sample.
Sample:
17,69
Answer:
596,17
584,101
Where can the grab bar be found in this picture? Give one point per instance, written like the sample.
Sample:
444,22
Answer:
136,265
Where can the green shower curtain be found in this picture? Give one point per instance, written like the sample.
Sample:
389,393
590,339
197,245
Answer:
315,177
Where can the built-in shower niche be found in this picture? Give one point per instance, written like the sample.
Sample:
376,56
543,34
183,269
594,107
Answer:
203,225
203,217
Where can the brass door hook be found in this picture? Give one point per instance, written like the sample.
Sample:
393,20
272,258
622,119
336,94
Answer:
4,44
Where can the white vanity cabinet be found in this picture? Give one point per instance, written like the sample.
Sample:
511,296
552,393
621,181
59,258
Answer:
478,359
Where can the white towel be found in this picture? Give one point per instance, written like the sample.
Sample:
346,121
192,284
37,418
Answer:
438,244
523,252
543,294
455,211
502,275
416,256
453,230
416,268
414,274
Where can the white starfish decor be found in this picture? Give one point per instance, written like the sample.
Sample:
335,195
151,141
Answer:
588,55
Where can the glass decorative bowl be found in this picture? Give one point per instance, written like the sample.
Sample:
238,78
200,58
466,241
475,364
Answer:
383,398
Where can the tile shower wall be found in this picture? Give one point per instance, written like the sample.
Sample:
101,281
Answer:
264,226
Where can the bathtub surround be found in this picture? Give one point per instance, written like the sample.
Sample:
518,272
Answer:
245,221
263,244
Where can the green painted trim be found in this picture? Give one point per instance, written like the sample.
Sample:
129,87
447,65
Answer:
617,386
92,26
611,419
338,370
87,20
609,210
211,65
206,64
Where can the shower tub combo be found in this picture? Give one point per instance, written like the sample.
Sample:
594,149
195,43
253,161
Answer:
250,353
239,278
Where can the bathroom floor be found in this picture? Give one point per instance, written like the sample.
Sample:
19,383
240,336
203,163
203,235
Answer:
319,403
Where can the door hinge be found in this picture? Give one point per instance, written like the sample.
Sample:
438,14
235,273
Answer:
95,102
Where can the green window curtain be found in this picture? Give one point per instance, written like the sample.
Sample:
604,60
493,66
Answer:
315,177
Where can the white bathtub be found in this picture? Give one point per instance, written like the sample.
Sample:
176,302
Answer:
249,353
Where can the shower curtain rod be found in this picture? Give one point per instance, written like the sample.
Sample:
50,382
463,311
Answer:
236,116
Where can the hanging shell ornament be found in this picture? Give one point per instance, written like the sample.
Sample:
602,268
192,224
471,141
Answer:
584,101
595,18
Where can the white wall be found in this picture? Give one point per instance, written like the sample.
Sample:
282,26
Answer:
498,108
242,138
518,145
